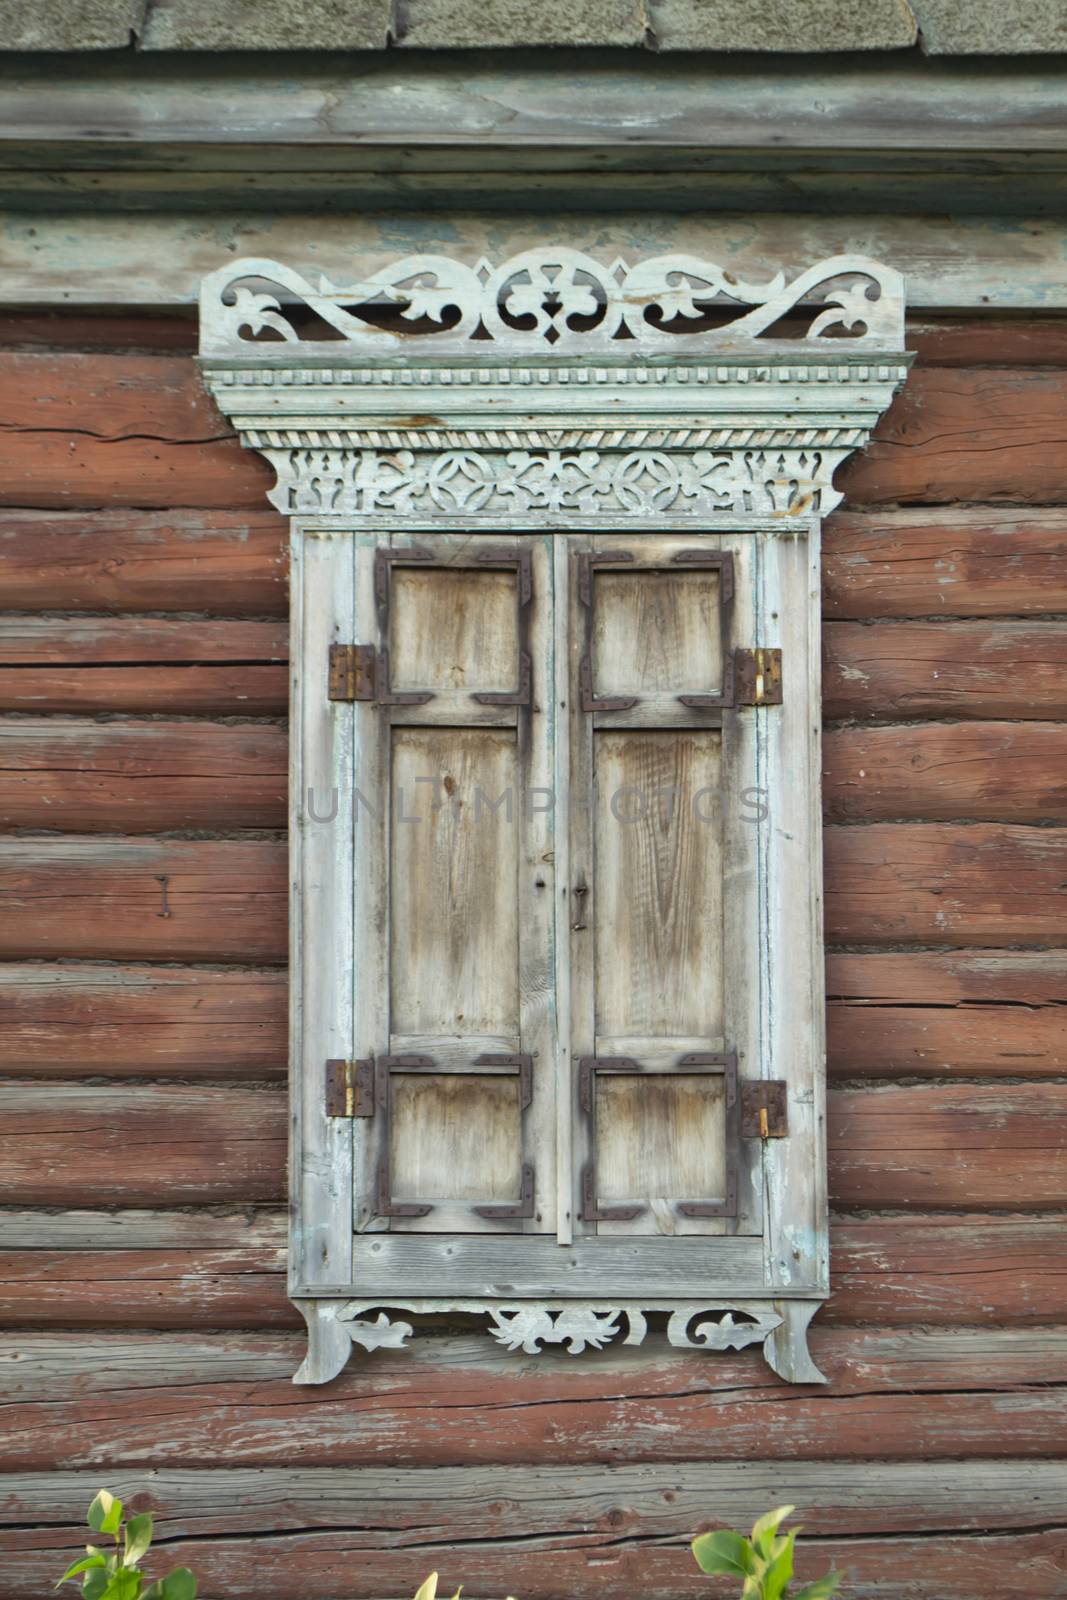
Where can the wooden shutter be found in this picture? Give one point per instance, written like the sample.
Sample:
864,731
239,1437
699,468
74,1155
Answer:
453,832
664,932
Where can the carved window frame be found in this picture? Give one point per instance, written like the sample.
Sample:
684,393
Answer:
554,392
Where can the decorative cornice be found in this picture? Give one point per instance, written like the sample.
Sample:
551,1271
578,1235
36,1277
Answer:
554,383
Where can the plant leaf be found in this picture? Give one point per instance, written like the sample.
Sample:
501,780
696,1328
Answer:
724,1552
86,1564
105,1513
125,1584
821,1589
427,1590
766,1529
138,1538
780,1568
95,1582
179,1585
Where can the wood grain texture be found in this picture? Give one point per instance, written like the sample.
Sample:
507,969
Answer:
146,777
944,561
958,1145
115,1401
199,1270
143,664
220,562
935,1146
561,1529
984,771
128,899
935,884
176,1146
72,1021
124,430
945,669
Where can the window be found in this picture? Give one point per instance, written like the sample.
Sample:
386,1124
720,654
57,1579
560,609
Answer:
557,963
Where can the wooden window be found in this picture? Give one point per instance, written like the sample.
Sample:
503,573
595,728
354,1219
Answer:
557,952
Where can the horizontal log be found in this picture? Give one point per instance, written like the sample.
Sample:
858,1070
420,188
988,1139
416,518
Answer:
85,430
944,562
225,900
219,562
945,669
71,1144
954,1145
141,777
906,1529
171,1270
934,1146
965,434
985,771
143,664
936,562
934,884
116,1401
130,899
141,1022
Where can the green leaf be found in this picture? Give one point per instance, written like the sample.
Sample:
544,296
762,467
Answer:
723,1552
86,1564
179,1585
765,1530
780,1569
105,1513
138,1538
125,1585
94,1583
821,1589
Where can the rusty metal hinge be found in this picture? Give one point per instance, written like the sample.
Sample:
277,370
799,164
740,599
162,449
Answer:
758,677
522,1209
352,672
764,1109
350,1088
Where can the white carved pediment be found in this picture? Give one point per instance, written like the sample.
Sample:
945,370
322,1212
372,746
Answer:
553,383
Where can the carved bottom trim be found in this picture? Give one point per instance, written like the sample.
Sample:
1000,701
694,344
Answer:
334,1326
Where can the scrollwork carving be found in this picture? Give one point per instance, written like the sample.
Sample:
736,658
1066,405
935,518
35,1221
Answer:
549,299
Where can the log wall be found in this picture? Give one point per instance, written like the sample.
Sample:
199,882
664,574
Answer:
148,1343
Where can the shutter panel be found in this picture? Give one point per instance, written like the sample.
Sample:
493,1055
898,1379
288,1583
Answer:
454,887
663,873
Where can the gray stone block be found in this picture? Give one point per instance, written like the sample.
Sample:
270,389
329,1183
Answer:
266,25
69,24
467,24
992,27
783,26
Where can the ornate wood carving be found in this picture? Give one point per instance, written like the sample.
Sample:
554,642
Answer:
556,393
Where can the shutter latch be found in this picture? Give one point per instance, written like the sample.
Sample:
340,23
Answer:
350,1088
352,674
764,1113
758,677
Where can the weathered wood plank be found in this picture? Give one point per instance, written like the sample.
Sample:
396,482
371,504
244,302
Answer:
116,1401
562,1529
165,900
958,1145
141,1022
964,1013
84,430
944,562
222,562
141,777
143,664
934,1146
887,884
934,884
179,1273
173,1146
986,771
945,669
